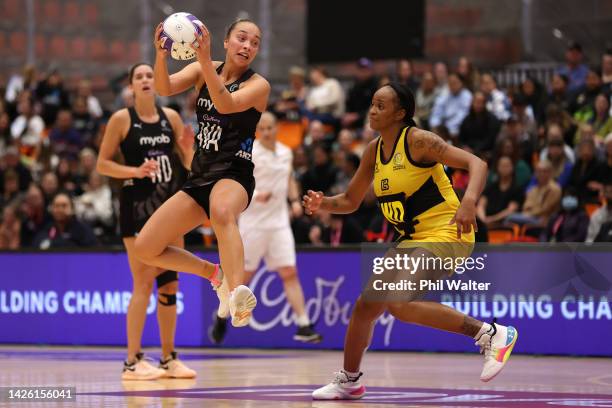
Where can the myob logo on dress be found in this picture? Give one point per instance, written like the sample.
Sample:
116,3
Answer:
154,140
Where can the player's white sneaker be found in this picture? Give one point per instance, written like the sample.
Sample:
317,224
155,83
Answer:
341,388
174,368
496,345
141,370
241,304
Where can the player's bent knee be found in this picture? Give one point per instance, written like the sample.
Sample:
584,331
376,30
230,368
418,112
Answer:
366,309
397,308
221,215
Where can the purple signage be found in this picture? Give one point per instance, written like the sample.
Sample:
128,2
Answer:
81,298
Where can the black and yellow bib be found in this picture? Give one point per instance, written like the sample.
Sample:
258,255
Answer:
418,199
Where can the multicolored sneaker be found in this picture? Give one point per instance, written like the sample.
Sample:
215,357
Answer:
341,388
307,334
140,370
241,304
496,345
174,368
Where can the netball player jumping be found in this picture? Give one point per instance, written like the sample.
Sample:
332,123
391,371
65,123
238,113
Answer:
406,165
220,184
265,227
153,171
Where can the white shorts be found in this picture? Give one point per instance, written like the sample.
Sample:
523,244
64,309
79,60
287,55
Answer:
275,246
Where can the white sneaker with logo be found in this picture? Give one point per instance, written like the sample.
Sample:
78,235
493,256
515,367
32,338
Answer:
175,368
241,304
341,388
141,370
496,345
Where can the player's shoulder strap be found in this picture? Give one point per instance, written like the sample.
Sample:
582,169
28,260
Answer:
133,116
161,113
246,75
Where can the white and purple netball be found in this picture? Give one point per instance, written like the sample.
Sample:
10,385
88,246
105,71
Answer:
180,30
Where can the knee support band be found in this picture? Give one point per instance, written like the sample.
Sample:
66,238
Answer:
165,278
166,299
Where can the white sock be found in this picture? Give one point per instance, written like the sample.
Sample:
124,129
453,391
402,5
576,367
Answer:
302,320
486,327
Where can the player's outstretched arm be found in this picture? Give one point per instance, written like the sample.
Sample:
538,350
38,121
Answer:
348,201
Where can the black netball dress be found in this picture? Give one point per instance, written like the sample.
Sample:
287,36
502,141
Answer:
141,197
224,146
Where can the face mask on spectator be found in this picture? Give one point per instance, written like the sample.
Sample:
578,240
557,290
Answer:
569,203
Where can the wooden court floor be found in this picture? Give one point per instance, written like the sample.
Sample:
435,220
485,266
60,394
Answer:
285,378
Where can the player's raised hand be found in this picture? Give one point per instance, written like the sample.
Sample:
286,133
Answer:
159,40
201,46
312,201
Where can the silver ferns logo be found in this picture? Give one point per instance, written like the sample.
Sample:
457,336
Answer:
246,148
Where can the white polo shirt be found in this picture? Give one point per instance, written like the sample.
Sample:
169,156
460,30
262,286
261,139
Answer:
272,169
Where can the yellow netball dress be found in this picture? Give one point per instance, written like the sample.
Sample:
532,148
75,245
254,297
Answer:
417,198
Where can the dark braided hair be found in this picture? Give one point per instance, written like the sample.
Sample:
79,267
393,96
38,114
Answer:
406,101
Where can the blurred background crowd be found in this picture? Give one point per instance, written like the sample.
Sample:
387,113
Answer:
548,146
543,125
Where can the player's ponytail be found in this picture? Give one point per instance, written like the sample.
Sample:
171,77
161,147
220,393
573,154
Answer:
406,101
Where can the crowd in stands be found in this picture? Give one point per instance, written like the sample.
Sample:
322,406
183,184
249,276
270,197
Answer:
548,146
